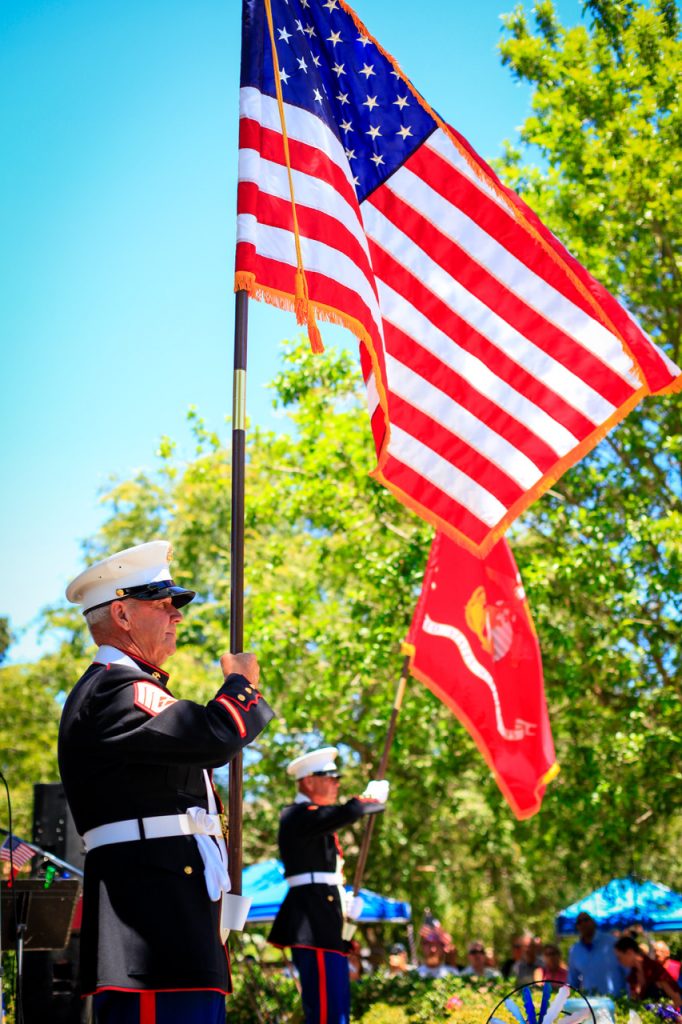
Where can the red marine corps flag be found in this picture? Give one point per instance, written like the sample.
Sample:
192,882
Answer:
472,642
493,361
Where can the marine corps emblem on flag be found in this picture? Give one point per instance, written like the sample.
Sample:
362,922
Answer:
493,624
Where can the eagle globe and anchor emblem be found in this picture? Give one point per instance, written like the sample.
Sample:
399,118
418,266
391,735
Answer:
493,625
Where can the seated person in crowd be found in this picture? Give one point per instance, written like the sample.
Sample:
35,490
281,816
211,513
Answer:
648,979
358,961
552,968
518,945
435,943
397,960
662,954
523,970
476,963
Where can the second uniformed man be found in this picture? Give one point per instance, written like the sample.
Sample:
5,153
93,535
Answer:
311,918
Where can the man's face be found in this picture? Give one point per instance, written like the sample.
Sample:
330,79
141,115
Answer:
586,927
627,958
433,953
476,957
151,626
662,951
398,961
322,789
519,946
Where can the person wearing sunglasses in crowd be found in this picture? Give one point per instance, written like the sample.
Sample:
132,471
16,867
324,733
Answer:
477,966
552,968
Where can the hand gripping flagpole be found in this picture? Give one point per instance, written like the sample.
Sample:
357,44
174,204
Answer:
237,568
381,772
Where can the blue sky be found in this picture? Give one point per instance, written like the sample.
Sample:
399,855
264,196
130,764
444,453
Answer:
118,125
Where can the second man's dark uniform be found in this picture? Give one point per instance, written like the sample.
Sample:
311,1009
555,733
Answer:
312,914
310,920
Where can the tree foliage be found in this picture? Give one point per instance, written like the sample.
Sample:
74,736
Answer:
607,125
5,637
602,552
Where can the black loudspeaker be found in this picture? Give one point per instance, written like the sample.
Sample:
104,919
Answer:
53,826
51,990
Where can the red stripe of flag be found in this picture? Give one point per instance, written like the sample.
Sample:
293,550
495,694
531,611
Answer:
442,508
455,450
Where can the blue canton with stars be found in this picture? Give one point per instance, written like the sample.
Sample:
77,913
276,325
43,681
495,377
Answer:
331,70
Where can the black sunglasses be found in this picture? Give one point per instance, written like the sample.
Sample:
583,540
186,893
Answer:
151,592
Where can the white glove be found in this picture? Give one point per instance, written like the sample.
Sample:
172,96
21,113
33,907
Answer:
353,908
215,872
203,822
377,790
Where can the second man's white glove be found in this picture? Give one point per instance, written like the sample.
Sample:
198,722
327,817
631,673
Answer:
377,790
353,907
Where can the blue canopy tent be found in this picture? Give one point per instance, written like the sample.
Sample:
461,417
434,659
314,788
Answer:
265,884
625,901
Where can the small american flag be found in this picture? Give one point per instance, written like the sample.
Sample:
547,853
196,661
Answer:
493,361
16,851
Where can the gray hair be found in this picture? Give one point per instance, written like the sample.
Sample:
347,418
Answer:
97,617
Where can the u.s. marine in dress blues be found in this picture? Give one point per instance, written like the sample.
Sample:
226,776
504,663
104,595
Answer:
136,763
311,918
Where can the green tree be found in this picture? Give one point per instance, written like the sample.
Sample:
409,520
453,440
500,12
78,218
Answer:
607,128
29,716
5,637
601,553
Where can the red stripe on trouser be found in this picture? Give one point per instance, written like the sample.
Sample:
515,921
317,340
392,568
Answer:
147,1007
323,985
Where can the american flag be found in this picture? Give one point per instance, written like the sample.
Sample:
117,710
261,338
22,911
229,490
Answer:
16,851
493,361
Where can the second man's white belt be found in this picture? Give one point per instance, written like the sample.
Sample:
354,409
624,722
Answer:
315,878
161,826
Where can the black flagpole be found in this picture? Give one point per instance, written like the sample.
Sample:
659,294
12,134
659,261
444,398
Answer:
237,568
